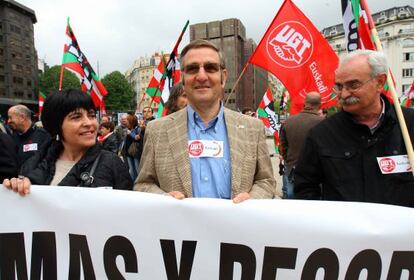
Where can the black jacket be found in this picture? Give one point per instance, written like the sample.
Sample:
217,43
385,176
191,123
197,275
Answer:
8,158
110,144
111,171
34,135
341,155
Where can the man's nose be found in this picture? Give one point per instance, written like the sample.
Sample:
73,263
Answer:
202,74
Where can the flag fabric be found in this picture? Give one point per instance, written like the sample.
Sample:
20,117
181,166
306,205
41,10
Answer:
102,109
283,101
358,27
165,76
75,60
299,56
266,112
42,98
156,83
172,74
406,99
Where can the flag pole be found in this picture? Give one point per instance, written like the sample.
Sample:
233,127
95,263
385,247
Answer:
237,82
400,117
62,68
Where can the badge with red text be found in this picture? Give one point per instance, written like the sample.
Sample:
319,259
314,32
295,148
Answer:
394,164
30,147
205,148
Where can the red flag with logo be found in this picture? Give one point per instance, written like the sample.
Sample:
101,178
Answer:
299,56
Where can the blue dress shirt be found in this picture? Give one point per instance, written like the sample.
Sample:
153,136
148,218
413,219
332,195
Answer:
211,177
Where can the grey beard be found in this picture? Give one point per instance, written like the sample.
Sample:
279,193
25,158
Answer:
349,100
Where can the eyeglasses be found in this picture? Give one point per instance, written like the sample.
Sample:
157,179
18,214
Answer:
209,67
353,85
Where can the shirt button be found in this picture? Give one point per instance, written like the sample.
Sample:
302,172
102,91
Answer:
205,179
347,154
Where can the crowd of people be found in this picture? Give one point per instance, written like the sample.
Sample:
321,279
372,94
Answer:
202,149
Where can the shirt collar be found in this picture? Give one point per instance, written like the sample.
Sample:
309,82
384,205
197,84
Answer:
380,118
195,119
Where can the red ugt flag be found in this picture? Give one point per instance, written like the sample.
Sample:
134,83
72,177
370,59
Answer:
298,55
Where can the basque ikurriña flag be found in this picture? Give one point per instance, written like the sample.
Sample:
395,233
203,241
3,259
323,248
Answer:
42,98
295,52
406,99
76,61
266,112
358,27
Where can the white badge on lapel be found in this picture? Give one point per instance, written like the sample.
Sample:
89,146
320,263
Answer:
30,147
205,148
394,164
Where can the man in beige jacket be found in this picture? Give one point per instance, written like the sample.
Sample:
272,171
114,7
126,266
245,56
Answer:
206,150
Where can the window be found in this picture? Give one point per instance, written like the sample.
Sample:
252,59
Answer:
18,93
1,52
408,43
15,29
408,72
408,56
18,80
405,88
29,83
1,78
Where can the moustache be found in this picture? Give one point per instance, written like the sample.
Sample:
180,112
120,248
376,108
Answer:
349,100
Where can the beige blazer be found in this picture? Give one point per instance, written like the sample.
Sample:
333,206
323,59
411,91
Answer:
165,164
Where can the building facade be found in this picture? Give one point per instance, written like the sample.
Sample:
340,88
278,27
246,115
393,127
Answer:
18,57
395,28
229,36
139,76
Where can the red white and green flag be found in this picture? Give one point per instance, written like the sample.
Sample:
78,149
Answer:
75,60
42,98
358,27
165,77
406,100
295,52
156,83
266,113
172,74
283,101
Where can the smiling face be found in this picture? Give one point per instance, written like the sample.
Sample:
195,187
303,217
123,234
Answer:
203,78
79,129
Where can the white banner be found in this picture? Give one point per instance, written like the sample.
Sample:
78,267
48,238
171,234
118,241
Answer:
83,233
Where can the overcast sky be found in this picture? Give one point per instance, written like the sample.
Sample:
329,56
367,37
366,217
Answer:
116,32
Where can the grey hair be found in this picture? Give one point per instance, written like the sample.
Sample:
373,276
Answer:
23,111
377,61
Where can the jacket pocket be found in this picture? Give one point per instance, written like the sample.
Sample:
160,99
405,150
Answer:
341,165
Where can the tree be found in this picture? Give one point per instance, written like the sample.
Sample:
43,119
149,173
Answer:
49,80
120,93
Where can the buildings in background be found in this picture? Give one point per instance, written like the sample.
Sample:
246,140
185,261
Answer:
395,27
42,66
139,76
18,57
229,36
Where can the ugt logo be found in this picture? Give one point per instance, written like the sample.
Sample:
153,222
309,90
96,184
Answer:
290,44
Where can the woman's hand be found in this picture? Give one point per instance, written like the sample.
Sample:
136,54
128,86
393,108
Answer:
20,184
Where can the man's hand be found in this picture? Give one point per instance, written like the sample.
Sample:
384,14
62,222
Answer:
241,197
177,194
20,185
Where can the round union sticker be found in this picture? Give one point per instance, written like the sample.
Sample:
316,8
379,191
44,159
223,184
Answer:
290,44
195,148
387,165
